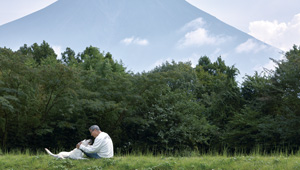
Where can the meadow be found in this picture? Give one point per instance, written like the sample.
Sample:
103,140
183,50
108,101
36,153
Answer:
41,161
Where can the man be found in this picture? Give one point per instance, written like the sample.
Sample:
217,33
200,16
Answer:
102,146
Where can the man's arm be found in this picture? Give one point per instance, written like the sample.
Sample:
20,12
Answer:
78,145
91,148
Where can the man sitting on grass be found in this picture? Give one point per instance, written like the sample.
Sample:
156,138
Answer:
102,146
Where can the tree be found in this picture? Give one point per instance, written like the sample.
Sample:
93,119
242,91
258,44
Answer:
17,82
270,117
68,57
286,92
217,90
167,116
286,81
38,52
35,99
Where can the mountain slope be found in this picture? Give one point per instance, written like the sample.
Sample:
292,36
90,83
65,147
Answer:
140,33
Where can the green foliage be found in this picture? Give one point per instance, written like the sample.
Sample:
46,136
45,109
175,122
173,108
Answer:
217,90
34,98
169,117
243,162
243,130
174,107
270,117
68,57
38,52
286,81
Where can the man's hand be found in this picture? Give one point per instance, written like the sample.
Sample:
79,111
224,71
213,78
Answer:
78,145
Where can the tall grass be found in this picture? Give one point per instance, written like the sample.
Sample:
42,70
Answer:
257,159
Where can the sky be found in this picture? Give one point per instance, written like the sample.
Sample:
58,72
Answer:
276,22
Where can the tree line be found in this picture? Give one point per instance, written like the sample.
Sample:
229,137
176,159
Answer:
50,102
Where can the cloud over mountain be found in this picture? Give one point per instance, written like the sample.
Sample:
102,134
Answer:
135,41
273,32
197,35
250,46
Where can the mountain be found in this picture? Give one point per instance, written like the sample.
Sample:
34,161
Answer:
141,33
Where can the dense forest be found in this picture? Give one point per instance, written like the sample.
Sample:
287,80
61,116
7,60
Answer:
50,102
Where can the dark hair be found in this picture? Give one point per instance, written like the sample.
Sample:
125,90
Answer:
94,127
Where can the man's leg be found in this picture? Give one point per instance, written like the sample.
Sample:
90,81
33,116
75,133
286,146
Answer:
92,155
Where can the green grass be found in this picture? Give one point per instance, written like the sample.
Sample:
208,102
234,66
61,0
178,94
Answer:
18,161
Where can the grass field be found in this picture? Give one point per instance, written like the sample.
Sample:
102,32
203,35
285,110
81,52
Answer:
41,161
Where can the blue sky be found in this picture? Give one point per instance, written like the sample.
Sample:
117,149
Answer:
276,22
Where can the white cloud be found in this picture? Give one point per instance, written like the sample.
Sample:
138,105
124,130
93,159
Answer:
196,35
200,37
197,23
197,38
250,46
135,41
282,35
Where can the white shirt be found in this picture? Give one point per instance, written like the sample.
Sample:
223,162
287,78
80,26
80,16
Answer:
102,145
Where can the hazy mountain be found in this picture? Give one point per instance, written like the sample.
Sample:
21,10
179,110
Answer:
142,33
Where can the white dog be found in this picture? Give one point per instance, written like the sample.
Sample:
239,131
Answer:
74,154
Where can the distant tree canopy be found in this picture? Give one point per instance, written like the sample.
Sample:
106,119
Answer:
50,102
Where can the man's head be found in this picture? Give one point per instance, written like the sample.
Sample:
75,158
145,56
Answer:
94,130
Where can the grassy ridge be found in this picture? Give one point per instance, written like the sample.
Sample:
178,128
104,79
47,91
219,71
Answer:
42,161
